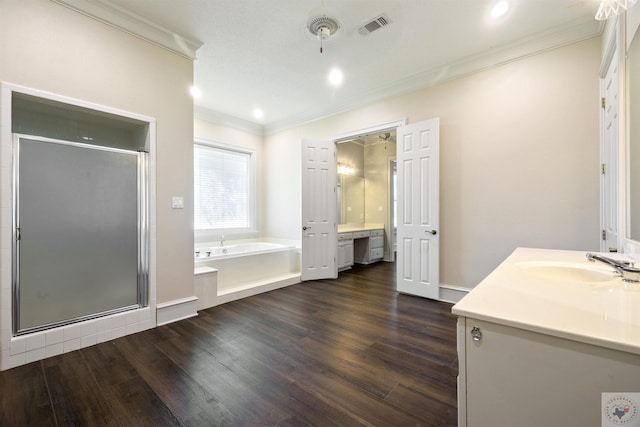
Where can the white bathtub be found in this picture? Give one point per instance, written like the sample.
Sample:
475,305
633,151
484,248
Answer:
243,269
239,250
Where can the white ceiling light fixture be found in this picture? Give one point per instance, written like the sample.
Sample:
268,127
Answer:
500,9
258,113
195,92
323,27
336,77
609,8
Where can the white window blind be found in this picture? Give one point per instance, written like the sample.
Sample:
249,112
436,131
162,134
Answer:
222,188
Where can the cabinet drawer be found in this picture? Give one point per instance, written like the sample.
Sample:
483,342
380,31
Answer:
376,253
377,232
360,234
345,236
376,242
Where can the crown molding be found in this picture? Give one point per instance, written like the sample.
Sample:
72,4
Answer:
216,117
183,46
135,25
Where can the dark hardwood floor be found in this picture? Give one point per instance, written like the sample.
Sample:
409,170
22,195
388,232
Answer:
343,352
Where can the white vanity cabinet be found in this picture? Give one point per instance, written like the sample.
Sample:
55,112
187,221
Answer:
368,246
345,251
359,243
542,337
514,377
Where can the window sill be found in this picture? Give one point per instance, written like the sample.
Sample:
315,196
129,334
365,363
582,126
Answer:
214,235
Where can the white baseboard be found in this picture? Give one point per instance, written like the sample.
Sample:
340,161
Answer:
172,311
453,294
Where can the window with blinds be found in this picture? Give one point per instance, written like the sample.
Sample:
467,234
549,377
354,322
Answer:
223,188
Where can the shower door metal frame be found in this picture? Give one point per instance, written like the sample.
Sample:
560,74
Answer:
143,234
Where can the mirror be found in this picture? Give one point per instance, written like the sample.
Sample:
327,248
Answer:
633,171
363,194
351,200
350,159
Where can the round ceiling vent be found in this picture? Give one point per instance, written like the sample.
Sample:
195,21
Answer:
323,26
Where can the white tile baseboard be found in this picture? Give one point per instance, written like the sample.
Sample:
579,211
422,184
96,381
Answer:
40,345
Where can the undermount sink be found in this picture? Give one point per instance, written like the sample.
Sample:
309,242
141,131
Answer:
567,272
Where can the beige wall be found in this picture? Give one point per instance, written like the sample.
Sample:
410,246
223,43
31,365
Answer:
49,47
519,159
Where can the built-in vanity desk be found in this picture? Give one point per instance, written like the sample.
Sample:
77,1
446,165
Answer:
542,337
359,243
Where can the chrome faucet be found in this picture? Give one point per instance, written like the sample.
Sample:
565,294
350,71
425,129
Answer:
222,240
610,261
626,269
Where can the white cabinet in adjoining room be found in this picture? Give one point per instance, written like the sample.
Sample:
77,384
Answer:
359,244
368,246
345,251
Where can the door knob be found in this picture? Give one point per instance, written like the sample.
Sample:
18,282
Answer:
306,228
434,232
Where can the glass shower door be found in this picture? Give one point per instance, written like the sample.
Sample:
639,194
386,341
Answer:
79,224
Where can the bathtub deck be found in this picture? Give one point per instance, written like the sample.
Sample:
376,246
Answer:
343,352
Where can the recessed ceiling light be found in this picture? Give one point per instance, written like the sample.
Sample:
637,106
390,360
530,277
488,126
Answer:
500,9
195,92
257,113
335,77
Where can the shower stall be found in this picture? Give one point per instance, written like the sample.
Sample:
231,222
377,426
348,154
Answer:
80,215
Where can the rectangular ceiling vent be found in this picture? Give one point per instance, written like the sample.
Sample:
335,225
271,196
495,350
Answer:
374,24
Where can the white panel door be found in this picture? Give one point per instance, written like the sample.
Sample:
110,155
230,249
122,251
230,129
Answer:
418,155
609,152
319,235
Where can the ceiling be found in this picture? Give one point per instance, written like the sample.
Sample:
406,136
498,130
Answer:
259,54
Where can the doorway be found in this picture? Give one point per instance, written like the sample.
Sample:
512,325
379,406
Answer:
365,197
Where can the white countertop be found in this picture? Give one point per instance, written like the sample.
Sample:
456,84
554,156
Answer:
604,313
348,228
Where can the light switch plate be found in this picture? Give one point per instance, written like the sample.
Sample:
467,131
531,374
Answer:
177,202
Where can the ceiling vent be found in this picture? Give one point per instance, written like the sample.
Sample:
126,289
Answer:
374,24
